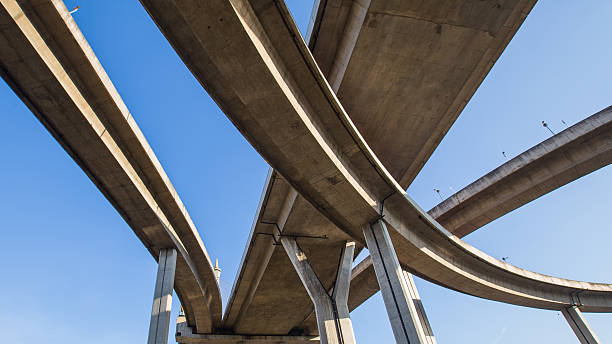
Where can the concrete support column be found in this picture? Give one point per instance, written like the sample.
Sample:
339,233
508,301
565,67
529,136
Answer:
332,313
579,325
395,287
340,293
162,298
421,316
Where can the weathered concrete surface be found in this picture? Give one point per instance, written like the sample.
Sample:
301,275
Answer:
185,335
341,292
268,84
335,29
333,319
162,297
284,303
565,157
408,68
581,328
401,310
48,63
561,159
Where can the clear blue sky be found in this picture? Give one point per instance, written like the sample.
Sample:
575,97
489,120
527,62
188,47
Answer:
74,272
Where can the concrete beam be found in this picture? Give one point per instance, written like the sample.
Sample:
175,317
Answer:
338,38
162,297
48,63
260,254
567,156
333,318
185,335
416,88
579,325
279,100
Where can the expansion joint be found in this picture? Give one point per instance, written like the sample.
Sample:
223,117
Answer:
278,237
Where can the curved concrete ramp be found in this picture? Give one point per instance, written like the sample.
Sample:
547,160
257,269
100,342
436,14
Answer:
268,84
350,40
51,67
561,159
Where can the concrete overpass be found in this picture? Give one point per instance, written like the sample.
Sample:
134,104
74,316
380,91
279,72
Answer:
268,84
340,41
563,158
294,119
48,63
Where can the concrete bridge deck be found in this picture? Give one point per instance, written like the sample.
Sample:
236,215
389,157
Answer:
296,122
561,159
48,63
268,84
358,36
404,70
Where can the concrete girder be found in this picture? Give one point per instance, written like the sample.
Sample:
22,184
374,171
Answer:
185,335
283,105
421,62
577,151
48,63
333,35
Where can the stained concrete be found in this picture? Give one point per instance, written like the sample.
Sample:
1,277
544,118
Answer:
410,67
561,159
581,328
184,334
397,297
333,319
48,63
269,86
162,297
335,30
348,167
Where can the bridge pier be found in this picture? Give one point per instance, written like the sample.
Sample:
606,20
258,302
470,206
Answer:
579,325
404,308
421,316
162,298
332,312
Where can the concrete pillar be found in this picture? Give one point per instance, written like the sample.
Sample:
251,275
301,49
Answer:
340,293
579,325
397,290
421,316
162,298
332,313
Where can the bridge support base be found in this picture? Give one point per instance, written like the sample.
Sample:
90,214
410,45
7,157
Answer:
404,308
162,298
185,335
332,312
579,325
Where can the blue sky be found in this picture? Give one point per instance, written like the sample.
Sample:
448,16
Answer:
74,272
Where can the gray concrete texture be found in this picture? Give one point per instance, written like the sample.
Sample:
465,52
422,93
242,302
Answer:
333,320
581,328
397,297
340,25
185,334
48,63
162,297
270,87
561,159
